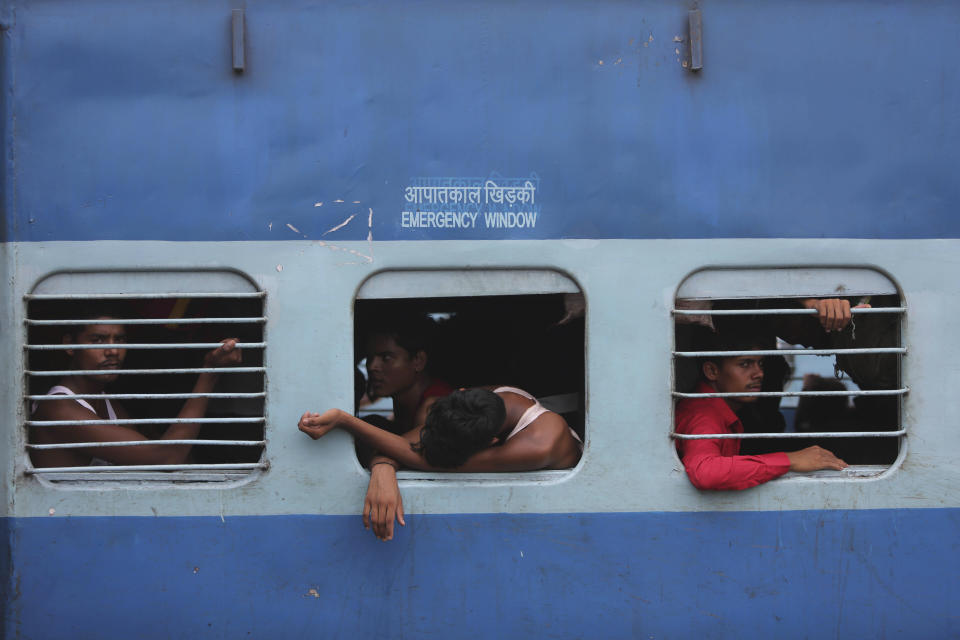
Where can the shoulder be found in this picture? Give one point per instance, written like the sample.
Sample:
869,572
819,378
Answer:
63,408
547,424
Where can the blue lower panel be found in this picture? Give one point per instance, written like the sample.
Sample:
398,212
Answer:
813,574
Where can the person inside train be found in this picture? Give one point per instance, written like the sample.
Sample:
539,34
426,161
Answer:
398,363
110,357
717,463
482,429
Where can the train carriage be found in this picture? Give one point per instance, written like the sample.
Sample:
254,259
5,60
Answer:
281,171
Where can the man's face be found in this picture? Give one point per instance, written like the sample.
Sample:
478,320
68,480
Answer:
737,375
392,369
111,356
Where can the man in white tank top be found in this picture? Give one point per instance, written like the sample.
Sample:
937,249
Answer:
110,358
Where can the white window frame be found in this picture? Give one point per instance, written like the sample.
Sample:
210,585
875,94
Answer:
791,282
416,284
120,285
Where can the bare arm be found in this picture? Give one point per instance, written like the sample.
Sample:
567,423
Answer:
383,503
814,459
395,447
544,444
833,313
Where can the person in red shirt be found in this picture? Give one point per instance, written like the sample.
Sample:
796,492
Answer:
717,464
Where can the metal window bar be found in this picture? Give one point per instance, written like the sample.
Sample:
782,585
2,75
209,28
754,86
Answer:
141,443
789,352
143,345
779,312
187,471
140,296
788,435
150,467
136,372
793,394
148,321
84,423
147,396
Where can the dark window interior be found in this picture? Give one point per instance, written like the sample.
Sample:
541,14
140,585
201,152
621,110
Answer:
514,340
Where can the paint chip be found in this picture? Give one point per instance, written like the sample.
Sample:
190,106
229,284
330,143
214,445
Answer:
279,267
676,51
314,593
650,39
293,228
270,227
52,511
338,200
340,226
521,554
684,63
318,204
196,570
677,39
356,202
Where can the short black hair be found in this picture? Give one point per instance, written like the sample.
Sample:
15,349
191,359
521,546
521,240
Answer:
459,425
746,337
413,332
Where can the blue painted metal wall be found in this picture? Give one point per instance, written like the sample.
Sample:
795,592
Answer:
809,119
799,574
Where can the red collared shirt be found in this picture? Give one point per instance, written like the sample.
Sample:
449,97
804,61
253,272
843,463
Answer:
716,464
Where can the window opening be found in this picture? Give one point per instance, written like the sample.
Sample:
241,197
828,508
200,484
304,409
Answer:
533,340
841,390
167,335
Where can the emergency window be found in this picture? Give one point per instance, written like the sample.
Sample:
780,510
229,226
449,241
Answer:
171,319
841,390
521,328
